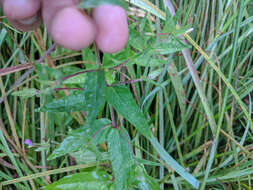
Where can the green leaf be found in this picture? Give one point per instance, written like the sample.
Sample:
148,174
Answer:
148,183
155,73
101,135
96,127
136,40
98,130
26,92
147,162
110,76
94,3
90,58
142,180
121,158
89,100
94,93
2,36
94,180
116,59
46,73
174,164
79,137
69,70
122,100
171,45
171,24
71,143
89,156
71,103
78,79
178,85
147,58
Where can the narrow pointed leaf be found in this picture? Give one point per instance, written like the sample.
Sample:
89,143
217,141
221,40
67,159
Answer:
71,103
94,180
78,79
46,73
94,93
122,100
121,158
87,156
26,92
79,137
70,144
88,100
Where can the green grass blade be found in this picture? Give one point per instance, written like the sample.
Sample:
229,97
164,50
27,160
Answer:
174,164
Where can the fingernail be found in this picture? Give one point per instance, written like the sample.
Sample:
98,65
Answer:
29,21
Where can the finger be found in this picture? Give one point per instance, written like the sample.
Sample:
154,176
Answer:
72,29
67,25
51,7
22,14
20,9
26,25
112,28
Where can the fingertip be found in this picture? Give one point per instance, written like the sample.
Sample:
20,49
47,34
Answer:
20,9
72,29
112,27
22,14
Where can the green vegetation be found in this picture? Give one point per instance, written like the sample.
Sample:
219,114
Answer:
170,111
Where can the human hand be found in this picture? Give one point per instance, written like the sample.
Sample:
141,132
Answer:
70,26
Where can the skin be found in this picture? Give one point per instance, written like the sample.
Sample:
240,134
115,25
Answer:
81,33
111,38
69,26
22,14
